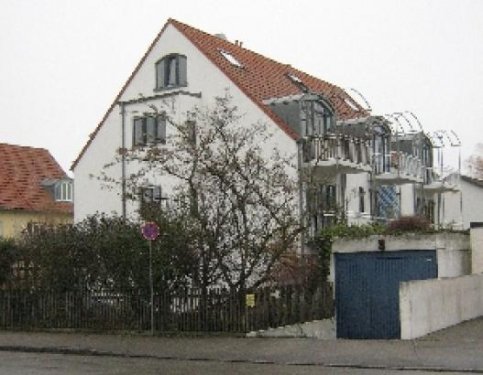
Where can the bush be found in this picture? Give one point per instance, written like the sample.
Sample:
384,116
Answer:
8,256
409,224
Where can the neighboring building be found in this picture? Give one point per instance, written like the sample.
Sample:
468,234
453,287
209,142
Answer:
460,208
362,167
34,190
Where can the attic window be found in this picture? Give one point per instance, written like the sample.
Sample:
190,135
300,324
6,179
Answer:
171,72
231,59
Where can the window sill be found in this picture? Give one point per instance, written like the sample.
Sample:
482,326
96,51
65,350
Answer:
169,88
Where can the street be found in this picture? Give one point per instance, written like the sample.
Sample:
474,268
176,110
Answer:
18,363
455,350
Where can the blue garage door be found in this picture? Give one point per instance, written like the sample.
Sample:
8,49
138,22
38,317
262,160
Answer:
367,290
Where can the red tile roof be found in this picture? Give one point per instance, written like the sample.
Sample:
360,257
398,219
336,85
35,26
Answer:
260,78
22,170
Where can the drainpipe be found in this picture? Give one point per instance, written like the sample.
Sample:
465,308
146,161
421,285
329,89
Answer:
301,194
123,160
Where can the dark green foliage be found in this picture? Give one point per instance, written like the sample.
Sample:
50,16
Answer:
105,253
8,256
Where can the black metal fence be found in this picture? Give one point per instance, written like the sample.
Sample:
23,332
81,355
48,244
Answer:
188,310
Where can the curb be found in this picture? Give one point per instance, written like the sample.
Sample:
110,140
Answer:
96,353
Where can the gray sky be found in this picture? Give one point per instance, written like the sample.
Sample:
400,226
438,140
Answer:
63,61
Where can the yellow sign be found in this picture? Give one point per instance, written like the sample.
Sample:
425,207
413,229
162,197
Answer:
250,300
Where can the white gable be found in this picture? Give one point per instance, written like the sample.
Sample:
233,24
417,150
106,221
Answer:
204,82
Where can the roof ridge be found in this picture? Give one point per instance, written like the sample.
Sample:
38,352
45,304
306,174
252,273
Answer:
264,81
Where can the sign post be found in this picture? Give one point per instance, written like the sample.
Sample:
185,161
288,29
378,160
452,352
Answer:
150,232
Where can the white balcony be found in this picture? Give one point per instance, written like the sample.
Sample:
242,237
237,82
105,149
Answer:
338,154
398,168
434,184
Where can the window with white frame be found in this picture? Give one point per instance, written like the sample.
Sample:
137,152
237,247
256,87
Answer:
64,191
149,130
171,71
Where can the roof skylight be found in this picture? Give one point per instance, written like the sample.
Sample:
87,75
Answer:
231,59
351,104
294,78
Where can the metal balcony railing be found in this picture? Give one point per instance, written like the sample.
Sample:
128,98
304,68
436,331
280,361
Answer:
347,148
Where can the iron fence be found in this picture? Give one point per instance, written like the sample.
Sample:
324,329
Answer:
187,310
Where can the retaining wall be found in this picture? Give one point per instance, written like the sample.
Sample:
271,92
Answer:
430,305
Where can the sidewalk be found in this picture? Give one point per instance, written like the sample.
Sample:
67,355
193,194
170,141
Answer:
459,348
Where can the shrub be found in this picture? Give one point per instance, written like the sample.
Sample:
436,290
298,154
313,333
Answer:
409,224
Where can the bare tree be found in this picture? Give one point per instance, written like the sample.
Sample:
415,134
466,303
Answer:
474,163
241,195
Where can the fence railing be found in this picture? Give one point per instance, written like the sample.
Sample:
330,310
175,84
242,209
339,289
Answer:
188,310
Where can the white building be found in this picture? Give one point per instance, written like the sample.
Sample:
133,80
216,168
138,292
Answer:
365,170
464,206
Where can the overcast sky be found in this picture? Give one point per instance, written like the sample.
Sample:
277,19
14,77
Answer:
63,61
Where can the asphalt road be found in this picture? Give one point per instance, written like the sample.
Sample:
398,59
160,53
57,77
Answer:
18,363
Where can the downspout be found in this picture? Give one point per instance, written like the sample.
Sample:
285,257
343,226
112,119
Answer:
123,160
301,195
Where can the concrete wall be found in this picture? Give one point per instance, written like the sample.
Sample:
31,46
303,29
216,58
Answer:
430,305
476,247
452,249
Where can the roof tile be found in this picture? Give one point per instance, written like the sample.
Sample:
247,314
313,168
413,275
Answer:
22,169
260,77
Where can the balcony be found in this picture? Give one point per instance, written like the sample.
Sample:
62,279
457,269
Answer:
398,168
434,184
336,154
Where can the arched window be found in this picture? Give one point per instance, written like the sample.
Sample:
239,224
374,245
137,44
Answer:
171,71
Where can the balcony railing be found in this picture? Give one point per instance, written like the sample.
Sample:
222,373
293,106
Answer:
398,167
346,148
407,165
435,183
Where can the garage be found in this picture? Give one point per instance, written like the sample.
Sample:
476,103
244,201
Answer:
367,290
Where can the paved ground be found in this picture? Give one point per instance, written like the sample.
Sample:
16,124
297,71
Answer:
19,363
457,349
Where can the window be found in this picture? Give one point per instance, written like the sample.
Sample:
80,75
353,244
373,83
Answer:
380,149
149,130
171,71
151,197
362,195
231,59
151,194
63,191
35,228
318,119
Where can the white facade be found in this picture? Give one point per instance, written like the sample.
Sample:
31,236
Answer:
464,206
205,82
355,182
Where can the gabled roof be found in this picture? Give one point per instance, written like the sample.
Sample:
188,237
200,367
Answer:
22,171
258,77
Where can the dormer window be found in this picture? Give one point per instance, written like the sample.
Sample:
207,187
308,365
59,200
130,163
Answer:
63,191
318,119
171,71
